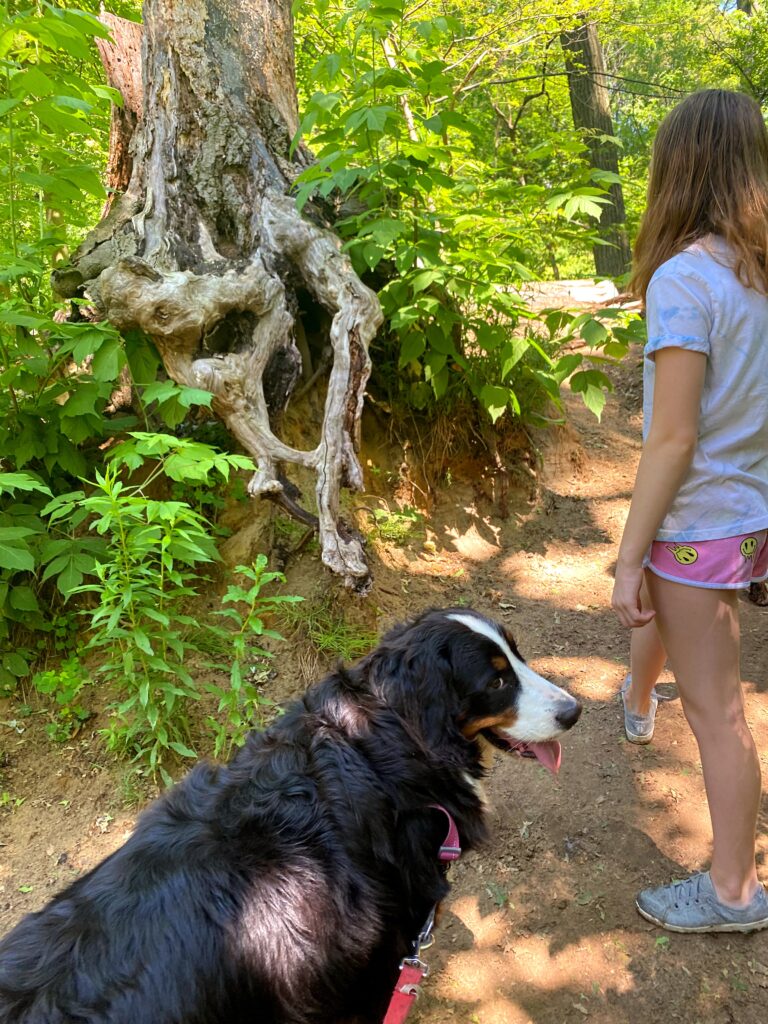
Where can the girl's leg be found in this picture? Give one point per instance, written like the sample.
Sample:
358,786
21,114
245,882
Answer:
647,658
700,631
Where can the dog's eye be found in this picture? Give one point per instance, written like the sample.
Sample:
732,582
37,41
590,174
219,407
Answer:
497,684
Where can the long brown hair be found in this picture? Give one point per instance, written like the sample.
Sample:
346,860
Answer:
709,175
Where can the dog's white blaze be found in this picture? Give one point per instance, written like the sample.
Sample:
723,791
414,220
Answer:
539,702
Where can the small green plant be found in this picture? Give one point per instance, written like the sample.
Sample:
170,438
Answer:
327,630
9,802
499,896
135,788
397,527
243,704
64,686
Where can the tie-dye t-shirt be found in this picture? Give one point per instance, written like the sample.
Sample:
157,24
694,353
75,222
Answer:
695,301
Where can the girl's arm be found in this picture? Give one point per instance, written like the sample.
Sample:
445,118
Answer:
664,464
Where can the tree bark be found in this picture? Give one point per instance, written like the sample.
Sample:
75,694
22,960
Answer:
121,58
206,252
590,105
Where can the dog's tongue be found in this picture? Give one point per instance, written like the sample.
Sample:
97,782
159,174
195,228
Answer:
549,754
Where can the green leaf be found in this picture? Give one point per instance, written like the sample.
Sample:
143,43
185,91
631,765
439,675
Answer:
69,578
411,347
566,365
8,533
373,254
32,82
594,399
107,360
23,599
592,385
490,336
15,664
181,749
58,121
439,382
141,640
7,104
441,340
143,359
494,400
424,279
13,482
18,559
511,354
84,398
593,332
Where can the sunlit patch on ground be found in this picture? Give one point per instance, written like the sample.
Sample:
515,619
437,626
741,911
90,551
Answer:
472,544
503,977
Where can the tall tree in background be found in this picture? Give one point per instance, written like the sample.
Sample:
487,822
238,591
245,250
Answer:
590,104
205,250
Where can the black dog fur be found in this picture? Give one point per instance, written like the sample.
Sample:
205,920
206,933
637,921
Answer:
284,887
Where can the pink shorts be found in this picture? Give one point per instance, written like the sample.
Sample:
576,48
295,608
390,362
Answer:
727,564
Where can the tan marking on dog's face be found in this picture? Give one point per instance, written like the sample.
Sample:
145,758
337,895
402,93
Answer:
487,752
500,663
505,721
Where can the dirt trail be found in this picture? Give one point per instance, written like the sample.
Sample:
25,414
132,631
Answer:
540,926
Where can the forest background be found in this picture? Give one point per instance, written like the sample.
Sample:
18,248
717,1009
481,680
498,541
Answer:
457,167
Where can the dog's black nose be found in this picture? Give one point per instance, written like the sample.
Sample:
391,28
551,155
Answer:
569,716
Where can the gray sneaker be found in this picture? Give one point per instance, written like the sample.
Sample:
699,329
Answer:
638,728
692,906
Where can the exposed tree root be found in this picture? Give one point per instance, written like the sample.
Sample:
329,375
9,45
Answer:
205,251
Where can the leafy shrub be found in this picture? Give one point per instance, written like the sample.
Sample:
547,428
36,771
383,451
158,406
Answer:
447,229
56,377
149,568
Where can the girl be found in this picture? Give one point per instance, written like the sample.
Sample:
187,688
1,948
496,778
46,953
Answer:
698,523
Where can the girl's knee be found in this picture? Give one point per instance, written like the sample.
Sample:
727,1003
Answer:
712,726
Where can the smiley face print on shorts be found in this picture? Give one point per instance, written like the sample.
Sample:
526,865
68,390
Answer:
748,548
684,554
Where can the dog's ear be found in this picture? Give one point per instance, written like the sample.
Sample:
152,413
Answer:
414,677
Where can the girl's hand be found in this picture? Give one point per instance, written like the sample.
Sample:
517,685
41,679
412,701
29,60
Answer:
626,597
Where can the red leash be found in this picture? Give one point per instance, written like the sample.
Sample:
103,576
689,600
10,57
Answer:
407,990
413,970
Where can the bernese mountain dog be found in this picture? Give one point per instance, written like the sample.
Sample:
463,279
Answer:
286,886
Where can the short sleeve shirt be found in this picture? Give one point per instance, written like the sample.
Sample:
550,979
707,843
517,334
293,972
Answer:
695,301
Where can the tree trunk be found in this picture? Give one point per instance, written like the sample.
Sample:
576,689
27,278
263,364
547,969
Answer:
206,252
590,104
121,58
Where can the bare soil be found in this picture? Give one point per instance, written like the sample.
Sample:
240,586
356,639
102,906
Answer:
540,926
